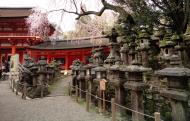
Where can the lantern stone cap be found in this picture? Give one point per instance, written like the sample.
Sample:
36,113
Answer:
174,94
135,68
137,86
165,43
33,68
155,38
115,67
99,69
174,71
175,37
89,66
82,68
76,68
143,34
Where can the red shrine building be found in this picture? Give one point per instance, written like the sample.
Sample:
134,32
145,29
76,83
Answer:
15,39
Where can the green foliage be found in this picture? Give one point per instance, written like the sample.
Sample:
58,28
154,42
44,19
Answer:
110,91
150,12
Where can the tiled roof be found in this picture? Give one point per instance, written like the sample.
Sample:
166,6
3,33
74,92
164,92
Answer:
9,12
70,44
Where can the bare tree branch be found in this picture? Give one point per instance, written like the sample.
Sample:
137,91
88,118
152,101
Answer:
74,2
158,5
62,9
106,6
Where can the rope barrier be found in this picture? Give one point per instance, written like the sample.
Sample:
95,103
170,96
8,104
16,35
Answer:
135,111
116,104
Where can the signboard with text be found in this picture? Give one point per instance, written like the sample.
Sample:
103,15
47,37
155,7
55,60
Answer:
103,84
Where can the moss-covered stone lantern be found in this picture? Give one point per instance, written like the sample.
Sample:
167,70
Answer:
114,46
177,90
134,82
81,79
167,47
144,45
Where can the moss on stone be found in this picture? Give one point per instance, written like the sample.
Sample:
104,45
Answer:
143,34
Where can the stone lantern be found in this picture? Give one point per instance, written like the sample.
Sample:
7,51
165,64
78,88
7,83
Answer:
177,88
167,47
125,38
158,34
132,48
81,79
98,56
34,70
143,45
42,63
90,76
114,48
134,81
75,72
100,72
124,54
50,73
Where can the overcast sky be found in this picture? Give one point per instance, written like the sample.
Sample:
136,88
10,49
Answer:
68,20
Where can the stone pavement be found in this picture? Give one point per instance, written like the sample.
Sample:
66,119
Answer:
58,108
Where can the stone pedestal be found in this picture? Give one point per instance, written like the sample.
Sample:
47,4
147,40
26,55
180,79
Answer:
89,78
81,79
117,78
136,86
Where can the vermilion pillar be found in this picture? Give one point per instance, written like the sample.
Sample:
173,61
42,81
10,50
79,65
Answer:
13,49
48,58
67,62
83,57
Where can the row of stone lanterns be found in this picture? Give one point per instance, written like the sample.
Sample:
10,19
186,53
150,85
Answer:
36,77
124,70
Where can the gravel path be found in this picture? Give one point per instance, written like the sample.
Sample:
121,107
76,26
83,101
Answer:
60,108
60,87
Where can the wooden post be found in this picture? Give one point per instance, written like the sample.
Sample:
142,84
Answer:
90,90
76,91
80,92
24,91
13,85
100,101
104,103
42,91
157,116
113,109
69,89
16,88
87,100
